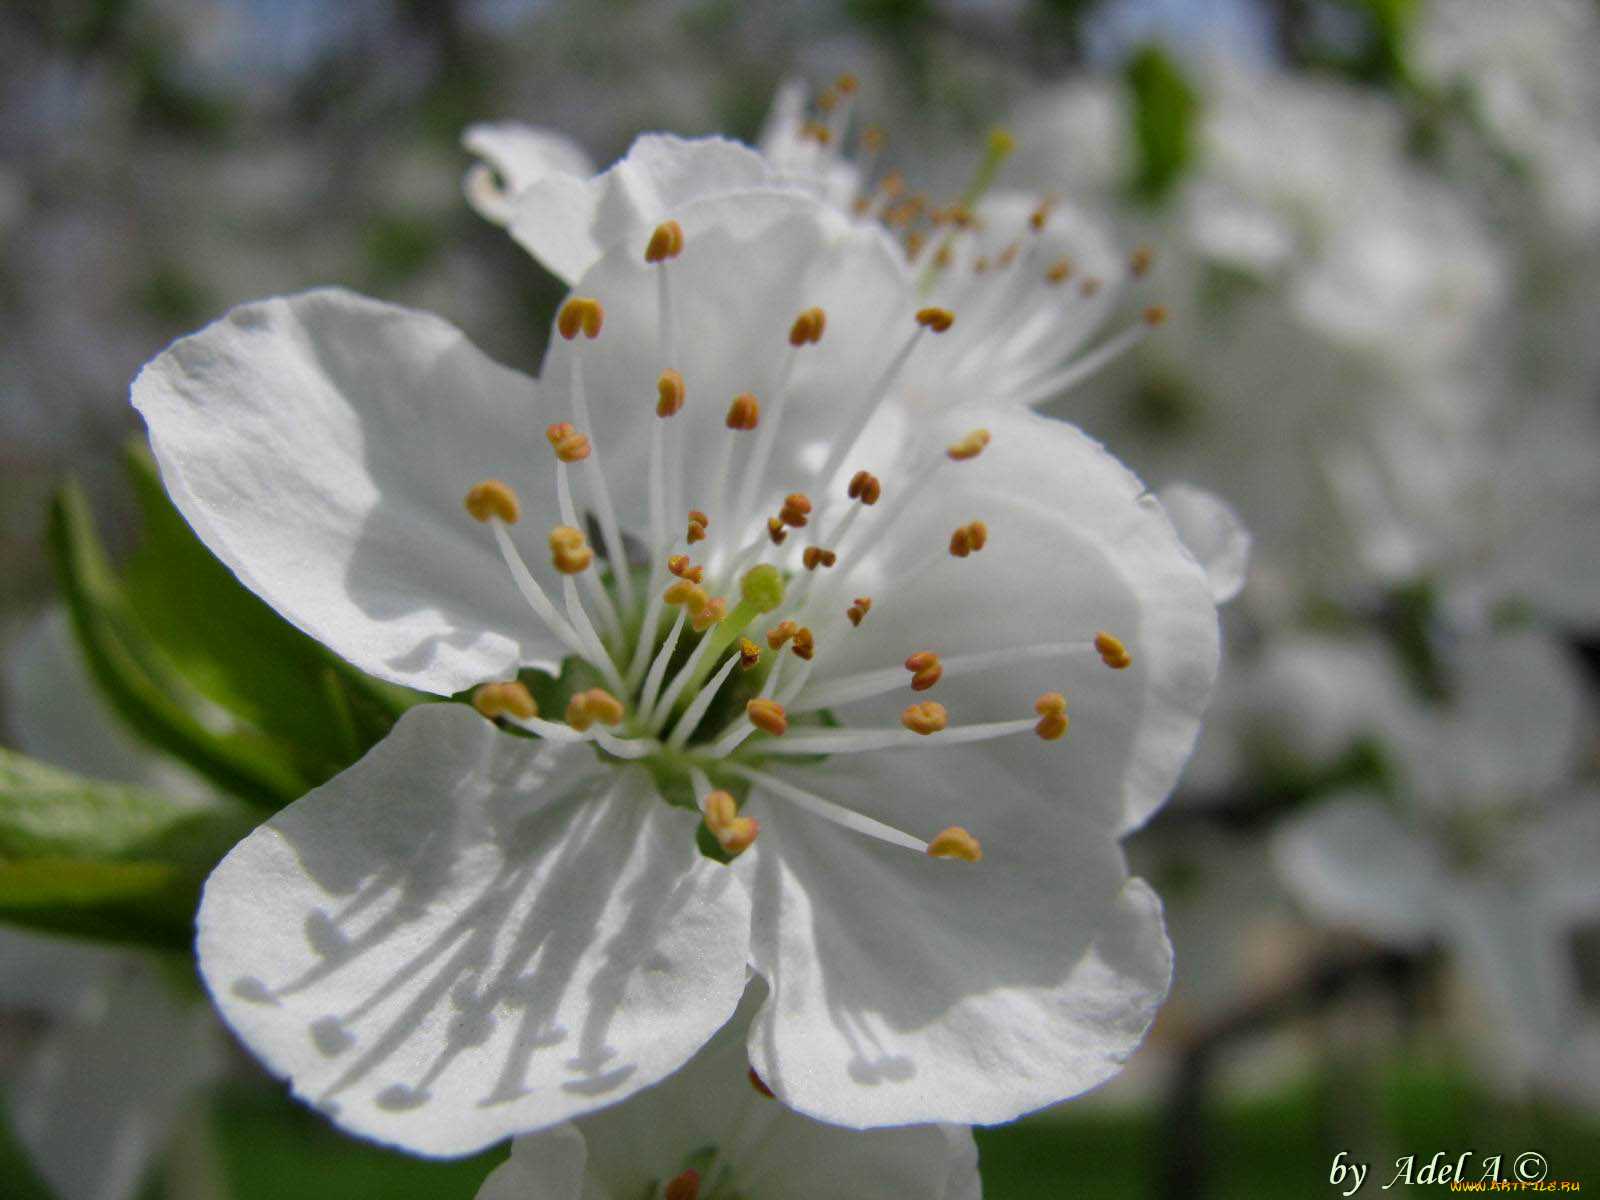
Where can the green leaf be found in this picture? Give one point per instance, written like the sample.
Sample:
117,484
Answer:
148,693
106,860
1164,111
237,651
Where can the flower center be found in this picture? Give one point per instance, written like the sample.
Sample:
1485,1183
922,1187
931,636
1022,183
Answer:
708,672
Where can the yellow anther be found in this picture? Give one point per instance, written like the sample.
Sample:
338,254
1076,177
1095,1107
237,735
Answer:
712,612
1112,652
815,556
872,138
955,842
580,313
817,131
669,393
749,653
1059,271
744,413
969,539
827,100
665,242
698,523
936,319
925,718
680,566
734,833
804,644
1155,314
568,550
943,256
796,508
846,84
767,716
776,530
1040,217
1139,261
570,445
596,704
893,182
864,487
960,216
915,240
967,446
902,212
688,593
781,633
491,498
759,1084
685,1186
925,670
858,610
1001,141
980,265
1008,254
508,699
1089,285
1053,720
808,327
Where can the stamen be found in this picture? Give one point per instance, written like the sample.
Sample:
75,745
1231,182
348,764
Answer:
781,633
925,718
1053,720
735,834
1090,285
1156,314
510,698
969,539
828,810
767,716
568,550
692,715
534,594
680,566
1050,382
864,486
581,313
955,842
749,653
658,666
1112,652
777,530
807,328
1139,261
669,394
491,498
688,593
859,609
1059,271
713,612
968,445
698,524
570,445
744,413
665,242
815,556
796,508
936,319
925,670
596,704
804,644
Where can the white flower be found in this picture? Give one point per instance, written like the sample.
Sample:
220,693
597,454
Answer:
1491,851
710,1131
470,933
95,1099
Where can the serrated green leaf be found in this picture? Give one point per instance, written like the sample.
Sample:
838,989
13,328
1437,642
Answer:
143,687
1164,111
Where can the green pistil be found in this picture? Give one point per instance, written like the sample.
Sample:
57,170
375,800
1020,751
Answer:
760,591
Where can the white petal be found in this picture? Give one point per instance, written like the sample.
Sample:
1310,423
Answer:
98,1096
470,934
321,445
542,1166
1350,862
567,224
1075,546
758,1147
516,156
907,988
1213,533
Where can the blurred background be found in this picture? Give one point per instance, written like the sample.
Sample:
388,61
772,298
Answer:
1374,226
